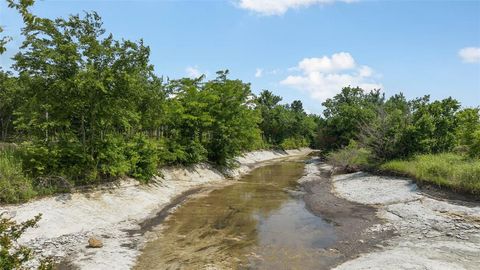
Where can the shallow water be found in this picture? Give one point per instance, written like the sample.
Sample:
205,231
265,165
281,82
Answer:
260,222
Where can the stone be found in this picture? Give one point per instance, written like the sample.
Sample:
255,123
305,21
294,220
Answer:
95,242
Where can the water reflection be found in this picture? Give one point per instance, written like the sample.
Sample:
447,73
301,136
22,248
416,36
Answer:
254,223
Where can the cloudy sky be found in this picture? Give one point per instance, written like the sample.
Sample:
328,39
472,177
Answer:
299,49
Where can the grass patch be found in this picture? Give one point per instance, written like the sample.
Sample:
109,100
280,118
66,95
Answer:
448,170
351,158
15,187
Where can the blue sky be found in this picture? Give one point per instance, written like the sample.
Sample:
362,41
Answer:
299,49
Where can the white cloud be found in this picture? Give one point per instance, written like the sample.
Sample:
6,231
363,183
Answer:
279,7
470,54
193,72
338,61
365,71
258,73
324,77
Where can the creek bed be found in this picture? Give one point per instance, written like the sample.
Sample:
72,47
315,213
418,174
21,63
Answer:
258,222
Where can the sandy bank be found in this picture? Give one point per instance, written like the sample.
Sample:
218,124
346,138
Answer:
113,212
432,233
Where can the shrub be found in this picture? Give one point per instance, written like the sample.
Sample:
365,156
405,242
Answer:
14,185
13,255
143,158
474,148
294,142
351,158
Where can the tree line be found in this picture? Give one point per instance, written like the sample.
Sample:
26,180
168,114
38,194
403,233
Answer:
397,128
85,107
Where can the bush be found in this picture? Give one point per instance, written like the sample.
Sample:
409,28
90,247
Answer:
15,187
449,170
58,166
351,158
143,157
474,148
294,143
13,255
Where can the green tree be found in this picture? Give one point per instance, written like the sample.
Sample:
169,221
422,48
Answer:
10,99
267,104
346,112
83,90
384,133
235,125
468,130
433,125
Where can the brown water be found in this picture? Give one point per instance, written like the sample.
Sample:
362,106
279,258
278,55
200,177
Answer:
260,222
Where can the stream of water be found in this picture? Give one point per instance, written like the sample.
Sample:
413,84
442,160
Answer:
260,222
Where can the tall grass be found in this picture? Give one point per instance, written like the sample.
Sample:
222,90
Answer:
449,170
351,158
14,185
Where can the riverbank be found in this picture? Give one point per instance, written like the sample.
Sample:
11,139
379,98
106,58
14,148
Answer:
351,220
430,232
448,173
112,212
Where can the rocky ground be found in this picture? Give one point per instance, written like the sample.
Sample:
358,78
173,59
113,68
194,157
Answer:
431,233
117,214
352,220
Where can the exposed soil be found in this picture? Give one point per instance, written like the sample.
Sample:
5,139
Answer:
351,220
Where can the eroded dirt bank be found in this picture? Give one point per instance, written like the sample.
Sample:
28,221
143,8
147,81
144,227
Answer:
431,233
114,212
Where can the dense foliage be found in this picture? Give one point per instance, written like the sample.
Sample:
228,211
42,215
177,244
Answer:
369,131
84,107
397,127
285,125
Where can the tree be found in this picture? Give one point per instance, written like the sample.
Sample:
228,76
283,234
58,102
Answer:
83,90
10,99
384,133
235,125
346,111
267,102
468,130
432,127
3,42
